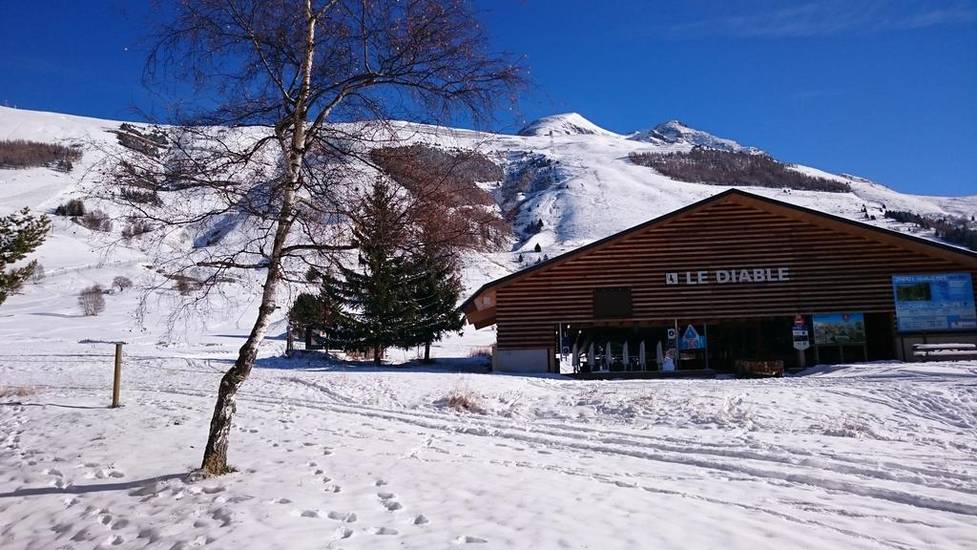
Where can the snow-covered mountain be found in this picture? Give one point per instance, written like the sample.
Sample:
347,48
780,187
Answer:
565,124
566,182
674,131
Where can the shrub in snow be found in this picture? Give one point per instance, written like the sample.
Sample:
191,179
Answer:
92,300
137,196
38,275
481,351
16,391
121,283
73,209
461,401
96,220
185,285
135,228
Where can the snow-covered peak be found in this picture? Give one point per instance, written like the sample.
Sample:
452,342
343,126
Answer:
674,131
565,124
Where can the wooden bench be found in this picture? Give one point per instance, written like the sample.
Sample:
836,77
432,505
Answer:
949,351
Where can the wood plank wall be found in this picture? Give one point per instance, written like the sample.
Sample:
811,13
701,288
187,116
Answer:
830,271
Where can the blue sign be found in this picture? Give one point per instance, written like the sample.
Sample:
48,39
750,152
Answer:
934,302
691,339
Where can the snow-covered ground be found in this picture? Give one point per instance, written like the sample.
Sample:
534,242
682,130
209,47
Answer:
333,456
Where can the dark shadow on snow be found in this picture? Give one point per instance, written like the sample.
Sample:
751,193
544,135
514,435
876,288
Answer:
93,488
60,315
324,362
23,404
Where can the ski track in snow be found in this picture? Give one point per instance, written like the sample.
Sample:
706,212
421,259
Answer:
340,458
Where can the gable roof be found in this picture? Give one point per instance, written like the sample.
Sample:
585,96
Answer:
813,216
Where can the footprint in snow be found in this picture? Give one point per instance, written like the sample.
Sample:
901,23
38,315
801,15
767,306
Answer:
346,517
384,531
467,539
421,519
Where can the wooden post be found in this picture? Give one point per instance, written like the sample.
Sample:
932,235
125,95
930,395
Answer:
117,379
288,340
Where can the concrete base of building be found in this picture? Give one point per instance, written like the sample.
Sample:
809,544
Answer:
521,360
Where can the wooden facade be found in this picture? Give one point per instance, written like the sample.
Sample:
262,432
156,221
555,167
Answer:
732,256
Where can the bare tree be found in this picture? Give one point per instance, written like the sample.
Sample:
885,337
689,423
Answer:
301,88
91,300
121,283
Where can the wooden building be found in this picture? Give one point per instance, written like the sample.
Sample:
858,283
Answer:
731,278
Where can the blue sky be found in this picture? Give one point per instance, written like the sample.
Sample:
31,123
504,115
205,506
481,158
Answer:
885,89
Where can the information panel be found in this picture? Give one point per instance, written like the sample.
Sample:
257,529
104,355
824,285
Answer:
934,302
839,329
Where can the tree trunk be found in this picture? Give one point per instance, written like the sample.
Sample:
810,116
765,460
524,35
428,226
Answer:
427,352
215,454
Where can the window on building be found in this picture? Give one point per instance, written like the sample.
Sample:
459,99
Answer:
612,302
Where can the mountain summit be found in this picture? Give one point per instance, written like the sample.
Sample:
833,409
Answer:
675,131
564,124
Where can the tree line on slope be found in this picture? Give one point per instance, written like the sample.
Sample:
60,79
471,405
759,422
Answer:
449,178
716,167
953,230
20,153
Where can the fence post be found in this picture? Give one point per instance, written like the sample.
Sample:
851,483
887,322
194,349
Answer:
117,379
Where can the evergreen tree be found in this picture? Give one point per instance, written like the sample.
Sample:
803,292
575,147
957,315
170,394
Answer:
20,234
372,299
538,248
435,292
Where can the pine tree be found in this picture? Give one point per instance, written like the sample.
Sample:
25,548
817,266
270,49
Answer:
372,298
435,292
538,248
20,234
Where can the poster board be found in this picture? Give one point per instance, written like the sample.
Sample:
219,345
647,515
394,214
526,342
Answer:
839,329
934,302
